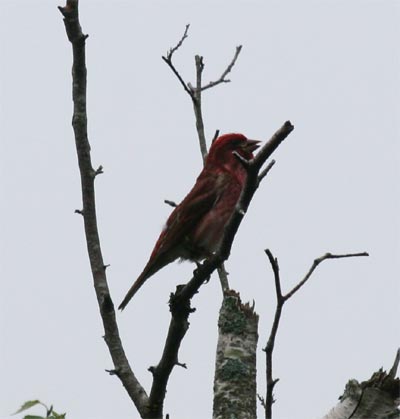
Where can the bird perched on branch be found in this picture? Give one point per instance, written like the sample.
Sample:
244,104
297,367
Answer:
196,226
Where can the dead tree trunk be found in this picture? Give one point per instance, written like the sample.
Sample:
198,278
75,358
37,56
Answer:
235,368
376,398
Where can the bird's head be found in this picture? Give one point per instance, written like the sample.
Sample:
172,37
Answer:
222,149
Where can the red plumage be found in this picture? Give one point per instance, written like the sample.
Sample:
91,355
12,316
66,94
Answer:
195,227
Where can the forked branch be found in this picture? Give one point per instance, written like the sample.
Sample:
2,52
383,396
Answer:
280,301
195,91
228,69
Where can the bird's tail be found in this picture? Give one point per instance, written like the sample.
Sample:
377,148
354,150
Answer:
133,289
153,266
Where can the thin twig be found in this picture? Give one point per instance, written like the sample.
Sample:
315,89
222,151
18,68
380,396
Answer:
265,172
196,99
269,348
168,60
216,135
223,277
261,399
195,92
179,77
228,69
170,203
314,266
179,44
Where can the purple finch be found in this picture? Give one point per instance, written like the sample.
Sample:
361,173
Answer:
196,226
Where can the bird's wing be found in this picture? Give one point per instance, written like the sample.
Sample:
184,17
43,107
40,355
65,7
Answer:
198,202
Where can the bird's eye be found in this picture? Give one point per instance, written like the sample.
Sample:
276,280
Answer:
237,143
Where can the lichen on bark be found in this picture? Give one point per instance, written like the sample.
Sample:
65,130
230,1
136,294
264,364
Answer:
235,372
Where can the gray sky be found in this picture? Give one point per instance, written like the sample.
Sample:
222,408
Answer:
331,67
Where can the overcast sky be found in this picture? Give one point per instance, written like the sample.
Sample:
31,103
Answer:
331,67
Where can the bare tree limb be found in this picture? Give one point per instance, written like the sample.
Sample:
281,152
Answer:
269,397
196,99
280,301
265,172
314,266
168,61
195,92
179,44
173,204
261,399
178,327
216,135
111,334
228,69
223,278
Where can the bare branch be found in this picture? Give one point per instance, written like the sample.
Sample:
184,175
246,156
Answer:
314,266
98,171
179,77
178,327
179,44
182,365
216,135
168,60
245,163
275,268
228,69
196,99
269,348
171,203
195,92
223,278
265,172
121,365
261,399
280,301
269,147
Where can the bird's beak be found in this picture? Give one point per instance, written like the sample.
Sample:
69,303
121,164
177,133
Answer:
251,145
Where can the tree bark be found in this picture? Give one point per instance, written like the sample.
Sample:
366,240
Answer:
377,398
235,385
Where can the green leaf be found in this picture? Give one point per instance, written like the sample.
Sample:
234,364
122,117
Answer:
33,417
27,405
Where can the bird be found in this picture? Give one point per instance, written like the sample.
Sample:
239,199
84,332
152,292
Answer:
195,227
